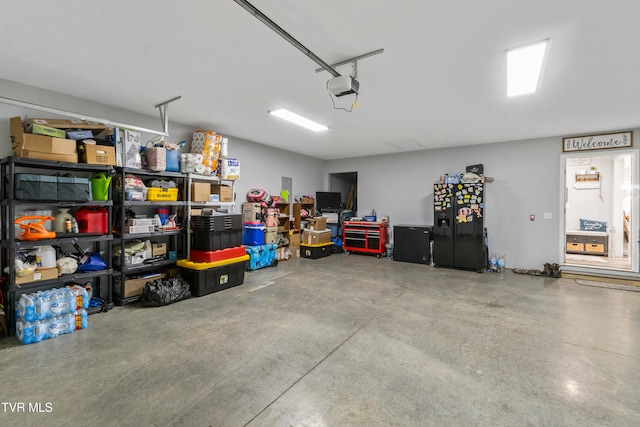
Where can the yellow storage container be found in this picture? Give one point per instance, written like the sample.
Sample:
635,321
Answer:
193,265
158,194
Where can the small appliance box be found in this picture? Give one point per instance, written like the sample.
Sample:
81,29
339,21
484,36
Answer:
313,237
252,211
40,147
127,147
224,191
159,249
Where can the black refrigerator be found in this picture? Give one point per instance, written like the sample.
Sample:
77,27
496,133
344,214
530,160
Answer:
458,231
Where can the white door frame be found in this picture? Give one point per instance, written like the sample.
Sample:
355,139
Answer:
635,212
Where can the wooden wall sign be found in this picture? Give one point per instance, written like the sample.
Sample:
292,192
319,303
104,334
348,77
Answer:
598,142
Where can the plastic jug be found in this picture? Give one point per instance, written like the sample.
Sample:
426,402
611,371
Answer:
100,186
45,256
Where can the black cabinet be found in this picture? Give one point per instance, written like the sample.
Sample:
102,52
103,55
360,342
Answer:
412,243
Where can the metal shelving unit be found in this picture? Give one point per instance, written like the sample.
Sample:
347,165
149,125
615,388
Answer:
173,238
229,206
9,166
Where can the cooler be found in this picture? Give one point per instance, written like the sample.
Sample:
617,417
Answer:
208,277
262,256
253,234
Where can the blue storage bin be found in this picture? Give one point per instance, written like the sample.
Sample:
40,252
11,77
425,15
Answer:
253,235
173,160
262,256
334,229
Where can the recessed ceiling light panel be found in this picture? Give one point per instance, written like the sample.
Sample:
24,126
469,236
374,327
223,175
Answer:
524,67
298,120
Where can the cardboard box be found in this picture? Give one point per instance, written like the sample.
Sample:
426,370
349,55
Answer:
307,200
133,287
38,275
317,223
127,145
40,146
224,191
252,212
200,191
93,154
270,235
312,237
158,249
294,245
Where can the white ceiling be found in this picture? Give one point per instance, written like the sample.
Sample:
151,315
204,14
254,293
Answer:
439,83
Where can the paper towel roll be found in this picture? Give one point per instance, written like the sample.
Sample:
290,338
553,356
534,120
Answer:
199,158
199,168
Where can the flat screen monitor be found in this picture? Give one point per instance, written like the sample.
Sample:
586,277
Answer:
327,200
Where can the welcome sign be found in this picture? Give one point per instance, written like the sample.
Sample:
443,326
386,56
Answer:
598,142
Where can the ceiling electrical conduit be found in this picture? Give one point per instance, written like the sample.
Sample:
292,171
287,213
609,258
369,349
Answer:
162,106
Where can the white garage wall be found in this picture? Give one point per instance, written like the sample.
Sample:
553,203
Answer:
260,166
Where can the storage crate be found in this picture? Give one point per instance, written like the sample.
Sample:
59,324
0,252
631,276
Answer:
262,256
315,251
157,194
208,277
216,222
219,255
216,240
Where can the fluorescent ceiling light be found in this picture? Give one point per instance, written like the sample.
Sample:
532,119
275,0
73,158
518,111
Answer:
524,67
298,120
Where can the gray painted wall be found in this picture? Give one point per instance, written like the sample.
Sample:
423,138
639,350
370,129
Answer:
527,182
261,166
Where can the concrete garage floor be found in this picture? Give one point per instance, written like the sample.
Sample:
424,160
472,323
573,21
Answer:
348,340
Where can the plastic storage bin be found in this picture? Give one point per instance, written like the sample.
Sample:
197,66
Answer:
219,255
158,194
262,256
315,251
208,277
216,240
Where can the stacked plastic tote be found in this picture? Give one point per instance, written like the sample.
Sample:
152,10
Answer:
260,254
217,257
50,313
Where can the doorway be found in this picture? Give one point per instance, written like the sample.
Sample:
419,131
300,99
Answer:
601,213
346,183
